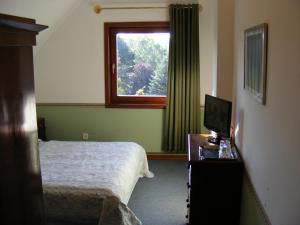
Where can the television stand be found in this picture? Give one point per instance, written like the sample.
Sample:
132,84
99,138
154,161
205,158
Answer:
214,187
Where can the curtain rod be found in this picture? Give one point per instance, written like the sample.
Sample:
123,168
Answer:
98,8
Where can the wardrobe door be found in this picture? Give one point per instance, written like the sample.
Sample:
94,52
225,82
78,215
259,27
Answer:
21,193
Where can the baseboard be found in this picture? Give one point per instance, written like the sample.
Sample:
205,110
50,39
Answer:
164,156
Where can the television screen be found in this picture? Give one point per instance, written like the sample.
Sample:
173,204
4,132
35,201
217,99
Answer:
217,115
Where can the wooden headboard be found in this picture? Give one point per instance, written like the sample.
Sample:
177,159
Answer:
41,128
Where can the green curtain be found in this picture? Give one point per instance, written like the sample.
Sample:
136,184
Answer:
183,96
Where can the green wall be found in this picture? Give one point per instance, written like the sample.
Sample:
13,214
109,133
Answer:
144,126
104,124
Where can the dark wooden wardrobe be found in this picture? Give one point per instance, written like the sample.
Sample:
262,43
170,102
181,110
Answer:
21,193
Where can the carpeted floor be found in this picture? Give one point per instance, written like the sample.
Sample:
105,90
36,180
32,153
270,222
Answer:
161,200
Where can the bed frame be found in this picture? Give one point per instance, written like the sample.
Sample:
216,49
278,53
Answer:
41,128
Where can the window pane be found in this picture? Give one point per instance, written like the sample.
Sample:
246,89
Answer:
142,63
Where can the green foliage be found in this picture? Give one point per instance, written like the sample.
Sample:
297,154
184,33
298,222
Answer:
158,85
125,67
125,55
142,67
142,74
158,82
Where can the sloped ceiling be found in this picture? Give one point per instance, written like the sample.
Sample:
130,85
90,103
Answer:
46,12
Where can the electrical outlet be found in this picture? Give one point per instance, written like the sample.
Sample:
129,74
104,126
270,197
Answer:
85,136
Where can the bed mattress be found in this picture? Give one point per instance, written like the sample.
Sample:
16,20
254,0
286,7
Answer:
91,182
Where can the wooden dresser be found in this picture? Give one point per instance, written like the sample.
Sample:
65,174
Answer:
214,187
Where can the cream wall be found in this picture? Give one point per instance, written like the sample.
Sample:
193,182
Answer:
69,67
268,135
208,32
224,79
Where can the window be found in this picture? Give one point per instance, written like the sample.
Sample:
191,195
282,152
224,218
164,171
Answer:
136,63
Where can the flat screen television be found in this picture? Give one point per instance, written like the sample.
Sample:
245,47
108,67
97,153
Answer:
217,117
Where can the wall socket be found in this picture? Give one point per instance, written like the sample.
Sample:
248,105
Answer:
85,136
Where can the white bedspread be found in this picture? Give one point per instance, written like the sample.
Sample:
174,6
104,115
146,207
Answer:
91,181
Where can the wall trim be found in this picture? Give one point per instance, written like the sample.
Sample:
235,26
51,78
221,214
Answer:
76,104
72,104
164,156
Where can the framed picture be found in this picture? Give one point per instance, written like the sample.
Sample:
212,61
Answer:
255,61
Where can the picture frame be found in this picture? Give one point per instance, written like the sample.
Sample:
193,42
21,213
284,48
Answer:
255,61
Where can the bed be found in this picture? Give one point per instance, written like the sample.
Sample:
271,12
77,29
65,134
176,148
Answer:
91,182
